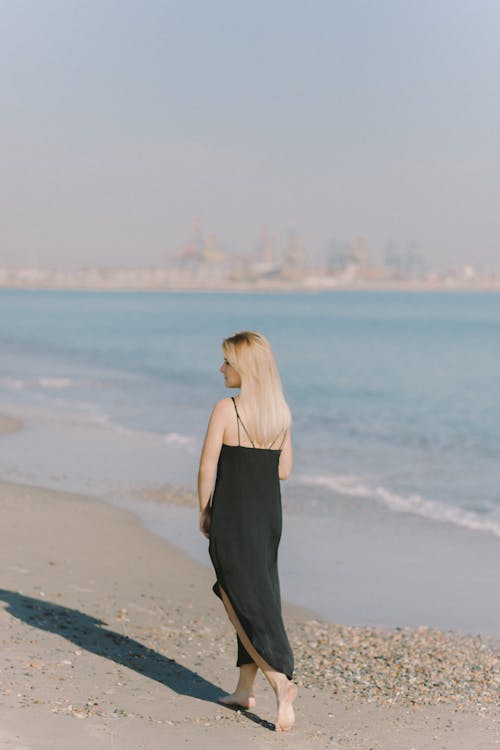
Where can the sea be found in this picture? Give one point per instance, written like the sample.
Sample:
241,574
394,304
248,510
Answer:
395,395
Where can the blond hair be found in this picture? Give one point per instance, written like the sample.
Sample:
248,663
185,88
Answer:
266,412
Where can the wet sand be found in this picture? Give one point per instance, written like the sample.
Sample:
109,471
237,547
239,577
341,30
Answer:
9,424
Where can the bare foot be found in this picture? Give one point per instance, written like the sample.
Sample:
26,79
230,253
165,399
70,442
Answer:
285,697
238,699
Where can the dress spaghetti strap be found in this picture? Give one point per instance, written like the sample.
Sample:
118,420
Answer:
281,444
238,420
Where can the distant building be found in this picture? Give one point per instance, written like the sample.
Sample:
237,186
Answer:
294,260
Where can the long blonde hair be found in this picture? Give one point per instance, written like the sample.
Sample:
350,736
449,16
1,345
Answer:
266,412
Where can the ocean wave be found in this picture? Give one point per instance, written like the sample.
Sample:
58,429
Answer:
179,439
20,384
172,438
55,382
350,484
15,384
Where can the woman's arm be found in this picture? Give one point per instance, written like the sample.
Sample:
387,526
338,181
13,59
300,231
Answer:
208,463
286,456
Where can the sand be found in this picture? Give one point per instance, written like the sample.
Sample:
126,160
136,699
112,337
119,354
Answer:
112,638
9,424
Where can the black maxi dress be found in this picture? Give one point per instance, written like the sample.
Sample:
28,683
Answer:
245,531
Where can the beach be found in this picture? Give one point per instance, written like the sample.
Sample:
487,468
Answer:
294,208
112,638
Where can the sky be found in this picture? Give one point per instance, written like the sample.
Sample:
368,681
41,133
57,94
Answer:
124,123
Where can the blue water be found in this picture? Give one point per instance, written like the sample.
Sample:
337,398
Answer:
395,396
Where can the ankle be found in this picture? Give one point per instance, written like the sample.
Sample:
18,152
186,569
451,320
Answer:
280,683
244,691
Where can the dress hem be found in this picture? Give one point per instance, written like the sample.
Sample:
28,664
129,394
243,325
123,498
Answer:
216,590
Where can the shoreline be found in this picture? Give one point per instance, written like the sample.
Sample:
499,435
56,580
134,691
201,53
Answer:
136,646
351,563
284,288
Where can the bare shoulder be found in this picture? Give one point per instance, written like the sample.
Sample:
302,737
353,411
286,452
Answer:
222,408
224,404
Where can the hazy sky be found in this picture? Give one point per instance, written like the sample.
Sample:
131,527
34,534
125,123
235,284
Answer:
124,121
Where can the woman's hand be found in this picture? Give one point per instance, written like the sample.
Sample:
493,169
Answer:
205,519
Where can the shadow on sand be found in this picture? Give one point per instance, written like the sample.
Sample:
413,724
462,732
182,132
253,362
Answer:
88,633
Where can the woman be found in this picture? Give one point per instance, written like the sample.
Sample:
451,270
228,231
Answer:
247,450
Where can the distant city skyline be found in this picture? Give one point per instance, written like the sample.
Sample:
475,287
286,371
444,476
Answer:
123,124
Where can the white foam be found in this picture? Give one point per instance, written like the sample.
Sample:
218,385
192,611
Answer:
350,484
15,384
21,384
177,438
188,442
53,382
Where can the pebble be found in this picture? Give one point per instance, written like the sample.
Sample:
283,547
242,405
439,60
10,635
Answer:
401,665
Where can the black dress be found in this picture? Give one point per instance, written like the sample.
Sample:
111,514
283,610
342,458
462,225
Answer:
245,531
